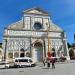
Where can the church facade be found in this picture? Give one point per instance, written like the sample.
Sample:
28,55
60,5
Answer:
29,37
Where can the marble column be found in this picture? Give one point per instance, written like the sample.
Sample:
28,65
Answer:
43,50
5,50
68,57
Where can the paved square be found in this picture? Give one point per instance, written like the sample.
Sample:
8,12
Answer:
61,69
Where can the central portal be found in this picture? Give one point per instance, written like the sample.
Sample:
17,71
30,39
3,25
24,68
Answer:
22,53
38,51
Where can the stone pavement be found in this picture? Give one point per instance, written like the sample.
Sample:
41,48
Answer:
61,69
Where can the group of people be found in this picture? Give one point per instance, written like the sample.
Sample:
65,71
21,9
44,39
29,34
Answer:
49,61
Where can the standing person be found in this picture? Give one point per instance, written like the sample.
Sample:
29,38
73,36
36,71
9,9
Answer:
44,61
48,62
53,62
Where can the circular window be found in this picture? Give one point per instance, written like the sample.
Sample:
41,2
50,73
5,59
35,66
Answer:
38,26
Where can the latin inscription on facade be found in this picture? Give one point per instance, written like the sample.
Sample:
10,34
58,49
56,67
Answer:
32,33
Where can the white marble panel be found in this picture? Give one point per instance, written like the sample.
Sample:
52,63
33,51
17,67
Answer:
33,33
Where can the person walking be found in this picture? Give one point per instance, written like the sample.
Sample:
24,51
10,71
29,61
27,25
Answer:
53,62
44,61
48,62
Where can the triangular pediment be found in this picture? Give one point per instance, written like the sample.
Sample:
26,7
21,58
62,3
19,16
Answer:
36,11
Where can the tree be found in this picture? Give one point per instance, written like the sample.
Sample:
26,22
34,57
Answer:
71,53
69,45
73,44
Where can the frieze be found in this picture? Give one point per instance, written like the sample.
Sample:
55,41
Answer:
32,33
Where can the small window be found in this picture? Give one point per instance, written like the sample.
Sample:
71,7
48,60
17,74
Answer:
23,60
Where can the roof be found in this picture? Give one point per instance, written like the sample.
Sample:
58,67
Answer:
35,10
16,25
54,27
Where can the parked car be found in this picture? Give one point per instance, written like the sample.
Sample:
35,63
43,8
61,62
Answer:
24,62
3,64
12,65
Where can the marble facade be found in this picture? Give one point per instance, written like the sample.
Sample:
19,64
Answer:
28,37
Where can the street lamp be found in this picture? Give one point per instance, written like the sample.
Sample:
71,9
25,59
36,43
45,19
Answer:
49,43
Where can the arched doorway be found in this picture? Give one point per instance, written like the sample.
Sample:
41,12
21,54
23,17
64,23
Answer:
38,51
22,52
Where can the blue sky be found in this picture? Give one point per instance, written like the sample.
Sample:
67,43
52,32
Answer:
62,13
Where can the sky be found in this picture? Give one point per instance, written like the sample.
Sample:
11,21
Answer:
62,13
